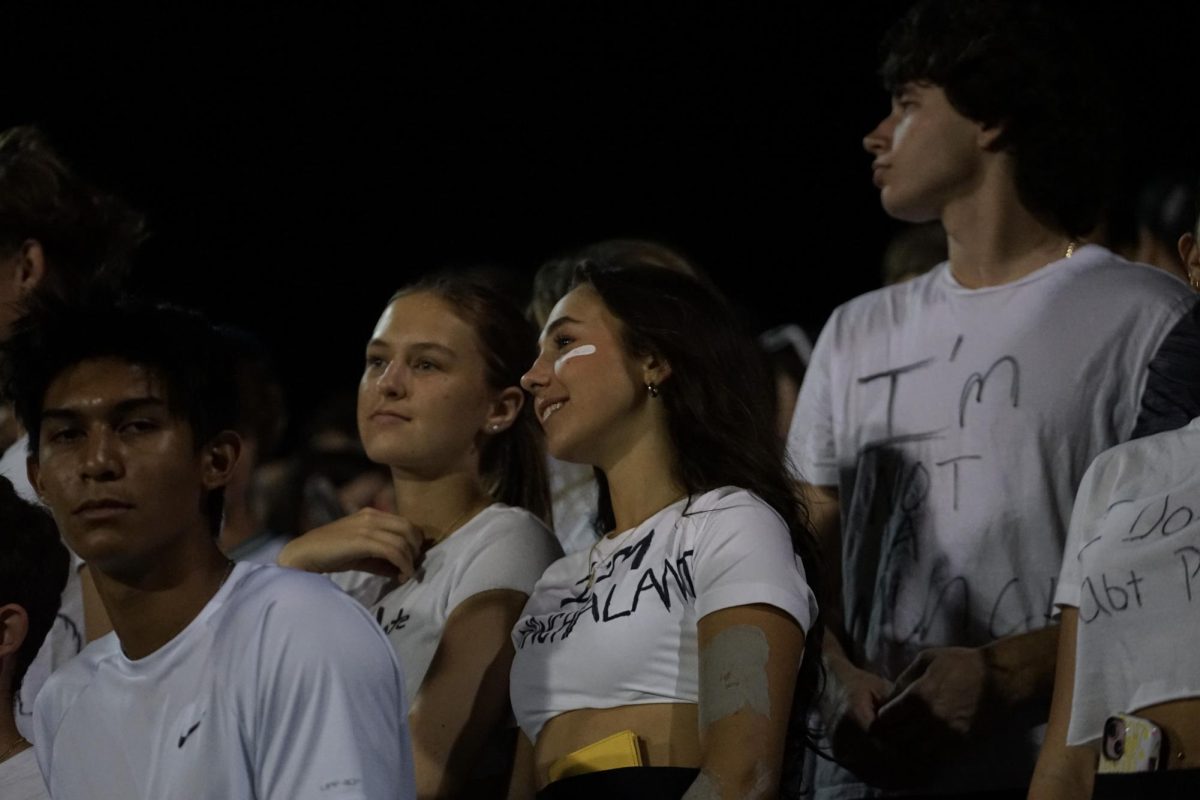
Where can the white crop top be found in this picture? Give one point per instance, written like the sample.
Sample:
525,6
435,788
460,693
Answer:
630,638
501,547
1132,568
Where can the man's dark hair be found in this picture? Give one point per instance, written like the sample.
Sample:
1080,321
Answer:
179,347
88,236
33,570
1023,66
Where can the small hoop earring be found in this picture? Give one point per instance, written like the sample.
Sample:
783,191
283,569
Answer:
1194,280
652,389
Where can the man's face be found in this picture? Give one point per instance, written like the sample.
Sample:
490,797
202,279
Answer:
120,473
927,154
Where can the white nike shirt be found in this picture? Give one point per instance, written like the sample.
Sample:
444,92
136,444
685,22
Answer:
282,688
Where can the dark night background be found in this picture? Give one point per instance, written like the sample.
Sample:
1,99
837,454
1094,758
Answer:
298,165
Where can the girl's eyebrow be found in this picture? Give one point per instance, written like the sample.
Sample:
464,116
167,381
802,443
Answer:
558,323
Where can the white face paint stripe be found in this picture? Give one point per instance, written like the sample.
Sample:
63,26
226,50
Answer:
582,350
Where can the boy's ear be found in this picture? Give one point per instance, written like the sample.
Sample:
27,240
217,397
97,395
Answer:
989,137
220,457
29,268
14,627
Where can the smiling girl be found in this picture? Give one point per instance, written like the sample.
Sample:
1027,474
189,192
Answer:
664,661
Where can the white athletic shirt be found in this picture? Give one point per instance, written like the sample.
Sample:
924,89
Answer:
20,778
956,424
281,688
501,547
629,638
1132,568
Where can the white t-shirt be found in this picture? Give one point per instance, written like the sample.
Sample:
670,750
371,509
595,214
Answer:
501,547
1132,568
20,778
956,425
282,688
13,467
66,638
628,637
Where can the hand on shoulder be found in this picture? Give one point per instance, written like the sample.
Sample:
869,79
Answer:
368,540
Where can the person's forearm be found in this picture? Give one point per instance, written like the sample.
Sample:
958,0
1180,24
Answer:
1021,672
1071,780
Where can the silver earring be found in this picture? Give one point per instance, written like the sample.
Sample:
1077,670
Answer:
652,388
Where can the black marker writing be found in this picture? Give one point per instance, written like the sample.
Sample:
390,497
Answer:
396,623
953,462
957,344
977,381
670,583
1188,571
1169,522
1109,598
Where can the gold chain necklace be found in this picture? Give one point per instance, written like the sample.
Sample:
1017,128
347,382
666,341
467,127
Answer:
1071,245
624,537
620,539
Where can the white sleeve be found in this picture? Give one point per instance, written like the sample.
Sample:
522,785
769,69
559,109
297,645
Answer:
364,587
1079,533
811,445
512,556
330,719
744,556
47,716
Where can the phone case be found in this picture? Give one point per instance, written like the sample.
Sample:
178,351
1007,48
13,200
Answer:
1131,744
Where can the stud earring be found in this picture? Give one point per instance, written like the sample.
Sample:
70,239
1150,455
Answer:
652,389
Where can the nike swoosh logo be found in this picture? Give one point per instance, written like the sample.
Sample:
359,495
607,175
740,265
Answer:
191,730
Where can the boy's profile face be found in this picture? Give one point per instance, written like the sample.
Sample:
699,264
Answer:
927,154
119,471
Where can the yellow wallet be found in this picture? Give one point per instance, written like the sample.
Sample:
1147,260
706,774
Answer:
622,749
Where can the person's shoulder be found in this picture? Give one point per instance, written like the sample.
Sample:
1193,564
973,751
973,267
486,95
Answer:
275,614
505,526
729,498
70,680
888,306
1157,449
286,596
1114,272
733,508
513,521
508,548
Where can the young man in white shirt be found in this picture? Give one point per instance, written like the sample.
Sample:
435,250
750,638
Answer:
945,423
218,681
33,570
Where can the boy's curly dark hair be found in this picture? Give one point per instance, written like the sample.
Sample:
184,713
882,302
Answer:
1022,66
